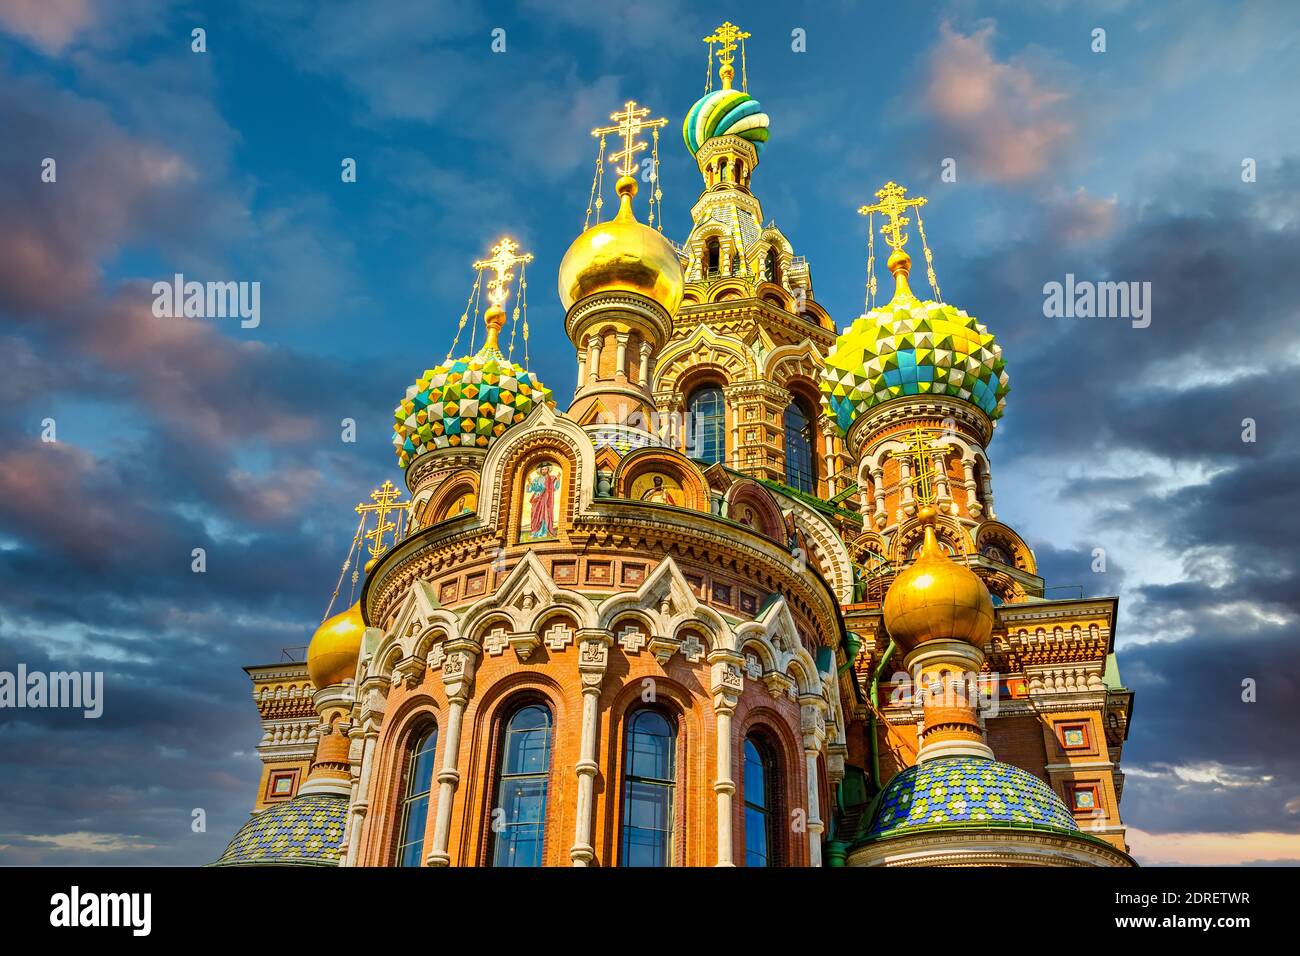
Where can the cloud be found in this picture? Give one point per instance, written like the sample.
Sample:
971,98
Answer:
1004,119
49,25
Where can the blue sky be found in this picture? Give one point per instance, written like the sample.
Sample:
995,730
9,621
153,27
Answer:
175,434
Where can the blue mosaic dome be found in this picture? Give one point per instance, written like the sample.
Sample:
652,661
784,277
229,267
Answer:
967,792
305,831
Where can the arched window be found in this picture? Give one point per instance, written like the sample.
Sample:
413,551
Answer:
800,462
772,272
518,817
761,848
706,437
712,256
649,780
415,804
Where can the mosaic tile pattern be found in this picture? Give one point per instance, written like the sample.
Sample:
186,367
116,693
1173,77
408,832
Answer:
725,113
468,402
911,347
305,831
968,791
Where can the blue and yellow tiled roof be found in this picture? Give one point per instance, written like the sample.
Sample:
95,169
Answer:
305,831
967,792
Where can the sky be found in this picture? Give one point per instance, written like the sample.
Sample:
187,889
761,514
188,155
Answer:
1123,164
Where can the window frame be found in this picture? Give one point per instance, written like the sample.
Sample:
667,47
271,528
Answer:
696,441
770,758
500,777
668,784
414,750
807,437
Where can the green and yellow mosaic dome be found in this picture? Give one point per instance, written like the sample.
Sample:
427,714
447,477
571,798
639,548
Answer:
465,403
910,347
967,792
305,831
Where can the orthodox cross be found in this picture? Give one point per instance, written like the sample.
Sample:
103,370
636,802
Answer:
384,502
726,36
503,259
921,451
628,122
894,204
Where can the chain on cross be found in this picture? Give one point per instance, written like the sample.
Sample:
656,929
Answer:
628,122
383,503
894,203
920,451
504,259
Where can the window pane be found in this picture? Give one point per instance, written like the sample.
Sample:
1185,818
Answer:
705,436
415,803
755,776
648,787
799,466
519,817
755,837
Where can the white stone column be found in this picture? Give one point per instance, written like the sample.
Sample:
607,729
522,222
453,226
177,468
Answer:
728,682
813,724
643,376
620,356
988,495
593,658
582,366
593,357
361,796
458,678
973,506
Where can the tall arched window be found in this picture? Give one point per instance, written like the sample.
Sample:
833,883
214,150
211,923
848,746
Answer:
415,804
800,461
712,256
773,271
706,436
518,817
761,847
649,781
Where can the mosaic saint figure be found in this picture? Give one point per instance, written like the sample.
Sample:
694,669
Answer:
542,487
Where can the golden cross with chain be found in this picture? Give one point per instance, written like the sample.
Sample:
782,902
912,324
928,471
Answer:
630,121
503,260
921,451
893,204
726,35
385,501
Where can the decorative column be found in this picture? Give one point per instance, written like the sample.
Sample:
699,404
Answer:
727,684
878,480
988,495
458,680
373,696
582,366
620,356
973,506
643,376
812,723
940,466
594,345
593,658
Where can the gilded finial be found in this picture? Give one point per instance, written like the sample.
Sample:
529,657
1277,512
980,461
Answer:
504,259
894,204
727,36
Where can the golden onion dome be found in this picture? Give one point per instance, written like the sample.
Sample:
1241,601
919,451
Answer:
622,255
937,599
334,648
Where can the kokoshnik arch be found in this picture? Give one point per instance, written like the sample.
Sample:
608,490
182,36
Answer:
680,622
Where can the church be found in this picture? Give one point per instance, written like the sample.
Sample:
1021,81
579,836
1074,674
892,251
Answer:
744,599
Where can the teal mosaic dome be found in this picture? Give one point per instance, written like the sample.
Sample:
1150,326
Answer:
305,831
910,347
725,113
967,792
468,402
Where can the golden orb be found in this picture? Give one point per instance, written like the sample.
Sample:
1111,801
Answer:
622,255
334,648
937,599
